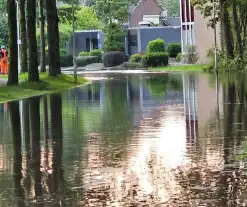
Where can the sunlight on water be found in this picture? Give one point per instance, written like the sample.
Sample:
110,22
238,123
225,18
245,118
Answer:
127,140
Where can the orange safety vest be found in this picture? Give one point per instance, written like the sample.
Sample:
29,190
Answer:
4,58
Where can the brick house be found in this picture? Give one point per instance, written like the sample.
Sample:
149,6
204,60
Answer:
147,10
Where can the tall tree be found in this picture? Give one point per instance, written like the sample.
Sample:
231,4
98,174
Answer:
42,36
23,31
33,72
12,27
53,38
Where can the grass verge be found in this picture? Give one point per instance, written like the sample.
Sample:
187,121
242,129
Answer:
179,68
46,85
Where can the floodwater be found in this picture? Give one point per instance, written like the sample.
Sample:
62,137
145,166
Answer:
128,140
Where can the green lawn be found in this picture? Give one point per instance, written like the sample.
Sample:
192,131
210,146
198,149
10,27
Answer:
46,85
179,68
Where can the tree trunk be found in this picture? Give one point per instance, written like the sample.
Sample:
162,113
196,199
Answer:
23,32
237,29
42,37
227,29
53,38
13,52
33,72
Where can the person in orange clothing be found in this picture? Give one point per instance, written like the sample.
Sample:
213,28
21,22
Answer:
4,61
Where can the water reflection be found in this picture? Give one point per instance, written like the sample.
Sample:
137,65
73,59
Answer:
128,140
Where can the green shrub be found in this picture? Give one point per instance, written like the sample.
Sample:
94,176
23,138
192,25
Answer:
84,53
179,57
130,65
66,60
115,58
136,58
155,59
82,61
97,53
63,51
173,49
157,45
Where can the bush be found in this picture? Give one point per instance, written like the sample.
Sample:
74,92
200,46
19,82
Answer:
157,45
97,53
173,49
84,53
130,65
111,59
192,56
66,60
82,61
179,57
63,52
136,58
155,59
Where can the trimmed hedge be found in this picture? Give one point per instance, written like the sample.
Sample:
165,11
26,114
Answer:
136,58
131,65
115,58
155,59
66,60
173,49
86,60
97,53
157,45
84,53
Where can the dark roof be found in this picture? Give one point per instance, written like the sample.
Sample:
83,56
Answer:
159,3
172,21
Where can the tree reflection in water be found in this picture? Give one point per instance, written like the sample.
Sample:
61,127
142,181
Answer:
113,158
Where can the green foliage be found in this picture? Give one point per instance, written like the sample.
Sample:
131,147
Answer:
179,57
173,49
84,53
173,7
97,53
82,61
113,10
155,59
157,45
114,40
192,56
136,58
66,60
4,30
65,34
157,86
63,52
87,19
114,58
65,14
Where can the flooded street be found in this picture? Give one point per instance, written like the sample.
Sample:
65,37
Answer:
128,140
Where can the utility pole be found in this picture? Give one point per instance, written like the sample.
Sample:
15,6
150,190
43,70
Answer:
215,40
18,35
73,30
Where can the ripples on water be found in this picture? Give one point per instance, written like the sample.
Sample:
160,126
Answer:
127,140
